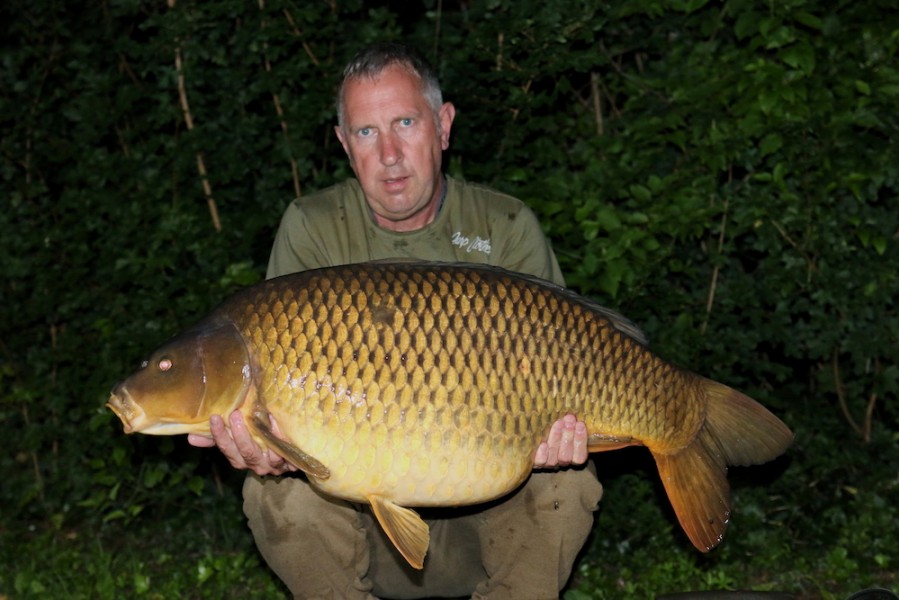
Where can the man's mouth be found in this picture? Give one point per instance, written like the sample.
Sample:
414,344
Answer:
395,183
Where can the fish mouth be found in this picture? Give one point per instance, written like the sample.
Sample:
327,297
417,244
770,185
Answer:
124,407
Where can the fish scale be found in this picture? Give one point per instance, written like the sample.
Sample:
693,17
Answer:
410,313
429,384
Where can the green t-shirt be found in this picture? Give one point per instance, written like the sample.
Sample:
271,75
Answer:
475,224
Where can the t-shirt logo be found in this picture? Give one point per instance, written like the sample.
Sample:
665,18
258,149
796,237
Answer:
478,244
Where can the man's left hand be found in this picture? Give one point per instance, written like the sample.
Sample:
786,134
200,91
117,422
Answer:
566,445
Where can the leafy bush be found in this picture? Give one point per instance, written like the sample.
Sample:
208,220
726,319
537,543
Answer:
724,173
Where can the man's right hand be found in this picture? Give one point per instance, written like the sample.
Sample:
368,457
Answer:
239,447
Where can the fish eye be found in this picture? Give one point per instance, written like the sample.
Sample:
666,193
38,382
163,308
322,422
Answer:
164,364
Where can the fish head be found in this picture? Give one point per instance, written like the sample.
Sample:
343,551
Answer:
202,372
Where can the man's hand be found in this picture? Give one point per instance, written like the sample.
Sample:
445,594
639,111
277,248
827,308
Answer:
239,447
566,445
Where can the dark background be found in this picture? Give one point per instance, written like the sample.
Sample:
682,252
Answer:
724,173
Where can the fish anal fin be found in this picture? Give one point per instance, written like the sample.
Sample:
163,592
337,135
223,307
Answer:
695,479
600,442
261,425
404,527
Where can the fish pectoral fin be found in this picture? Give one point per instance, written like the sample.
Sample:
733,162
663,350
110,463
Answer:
404,527
293,454
601,442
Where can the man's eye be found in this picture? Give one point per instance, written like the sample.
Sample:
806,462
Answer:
406,122
364,132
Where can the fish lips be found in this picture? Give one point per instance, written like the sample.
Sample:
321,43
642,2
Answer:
124,407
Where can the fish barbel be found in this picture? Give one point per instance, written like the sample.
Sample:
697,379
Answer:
431,384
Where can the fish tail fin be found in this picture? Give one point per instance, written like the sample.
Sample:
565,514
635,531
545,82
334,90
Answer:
737,431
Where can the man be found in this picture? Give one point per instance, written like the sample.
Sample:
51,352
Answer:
394,126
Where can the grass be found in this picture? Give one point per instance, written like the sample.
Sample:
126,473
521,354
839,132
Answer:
822,523
208,555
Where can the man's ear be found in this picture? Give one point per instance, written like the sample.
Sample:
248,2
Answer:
445,119
343,142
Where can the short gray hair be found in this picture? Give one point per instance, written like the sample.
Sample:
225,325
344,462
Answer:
373,60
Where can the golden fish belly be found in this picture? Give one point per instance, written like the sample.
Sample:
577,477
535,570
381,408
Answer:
414,469
417,456
435,386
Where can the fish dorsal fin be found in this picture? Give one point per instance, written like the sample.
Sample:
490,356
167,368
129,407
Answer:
404,527
400,260
307,463
615,319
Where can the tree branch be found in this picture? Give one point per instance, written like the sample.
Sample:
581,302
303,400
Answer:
597,104
841,395
188,120
294,169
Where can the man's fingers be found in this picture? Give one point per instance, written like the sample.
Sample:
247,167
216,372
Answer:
261,461
566,444
580,454
238,430
200,441
225,442
217,426
251,453
552,444
239,447
540,456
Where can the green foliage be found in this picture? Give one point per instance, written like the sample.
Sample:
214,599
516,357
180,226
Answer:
724,173
199,557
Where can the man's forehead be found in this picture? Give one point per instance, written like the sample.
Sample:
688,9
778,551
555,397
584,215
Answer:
397,92
392,77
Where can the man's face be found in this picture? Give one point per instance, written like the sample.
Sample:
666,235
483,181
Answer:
394,143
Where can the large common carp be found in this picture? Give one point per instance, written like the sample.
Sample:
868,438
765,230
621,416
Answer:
430,384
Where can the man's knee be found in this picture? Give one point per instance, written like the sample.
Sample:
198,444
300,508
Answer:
571,492
292,524
273,504
531,540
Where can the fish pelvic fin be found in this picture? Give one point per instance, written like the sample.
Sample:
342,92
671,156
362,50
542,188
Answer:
737,431
292,453
404,527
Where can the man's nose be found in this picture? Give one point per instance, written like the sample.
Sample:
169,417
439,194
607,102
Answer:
390,150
